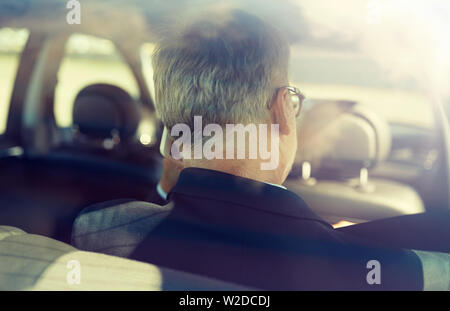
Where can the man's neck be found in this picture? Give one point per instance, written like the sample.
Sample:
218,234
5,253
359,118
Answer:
244,168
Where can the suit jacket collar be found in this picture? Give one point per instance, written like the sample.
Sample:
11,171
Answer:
215,185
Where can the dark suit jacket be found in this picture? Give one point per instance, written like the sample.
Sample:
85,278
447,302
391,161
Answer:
251,233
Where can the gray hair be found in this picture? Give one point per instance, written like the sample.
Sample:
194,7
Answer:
224,68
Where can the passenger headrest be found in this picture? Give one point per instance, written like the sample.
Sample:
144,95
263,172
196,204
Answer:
341,137
102,109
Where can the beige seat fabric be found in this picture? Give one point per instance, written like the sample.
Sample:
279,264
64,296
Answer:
341,142
33,262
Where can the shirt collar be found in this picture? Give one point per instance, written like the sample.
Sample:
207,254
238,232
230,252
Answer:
215,185
276,185
161,192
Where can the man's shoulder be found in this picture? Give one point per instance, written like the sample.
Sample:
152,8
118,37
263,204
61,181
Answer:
116,227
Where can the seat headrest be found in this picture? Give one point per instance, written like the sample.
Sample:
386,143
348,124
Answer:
342,137
102,109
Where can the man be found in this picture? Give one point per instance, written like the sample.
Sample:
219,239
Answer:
229,218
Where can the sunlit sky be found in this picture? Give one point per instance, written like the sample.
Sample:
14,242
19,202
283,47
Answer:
407,37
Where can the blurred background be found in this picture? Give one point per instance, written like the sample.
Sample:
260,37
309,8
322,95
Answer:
391,54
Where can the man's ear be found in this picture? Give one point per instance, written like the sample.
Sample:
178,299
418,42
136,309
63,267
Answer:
280,112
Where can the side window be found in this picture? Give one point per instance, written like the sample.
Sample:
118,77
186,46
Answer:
89,60
147,68
147,127
12,43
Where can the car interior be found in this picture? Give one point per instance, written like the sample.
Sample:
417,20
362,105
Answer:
340,145
80,128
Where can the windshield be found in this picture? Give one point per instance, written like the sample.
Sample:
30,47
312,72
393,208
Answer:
389,55
346,75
